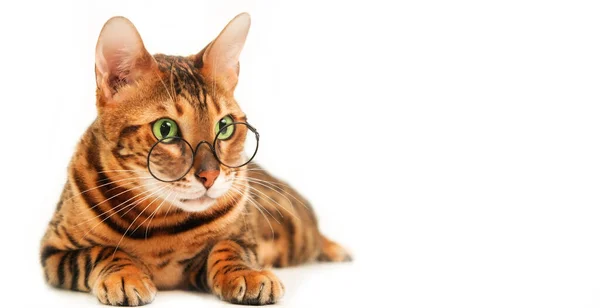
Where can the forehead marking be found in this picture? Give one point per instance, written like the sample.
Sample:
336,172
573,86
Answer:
185,79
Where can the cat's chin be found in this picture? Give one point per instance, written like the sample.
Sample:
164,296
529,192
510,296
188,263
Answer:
196,205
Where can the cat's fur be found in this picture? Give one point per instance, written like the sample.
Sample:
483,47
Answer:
115,234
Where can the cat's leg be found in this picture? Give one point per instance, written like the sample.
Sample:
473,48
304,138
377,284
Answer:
332,251
231,272
113,276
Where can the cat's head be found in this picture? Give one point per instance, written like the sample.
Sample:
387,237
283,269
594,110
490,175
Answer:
142,99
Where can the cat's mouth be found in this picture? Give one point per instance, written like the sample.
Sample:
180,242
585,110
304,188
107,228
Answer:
202,199
197,204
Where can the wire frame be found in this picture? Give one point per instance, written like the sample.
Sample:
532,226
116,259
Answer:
170,145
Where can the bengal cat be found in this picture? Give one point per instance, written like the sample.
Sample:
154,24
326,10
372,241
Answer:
121,232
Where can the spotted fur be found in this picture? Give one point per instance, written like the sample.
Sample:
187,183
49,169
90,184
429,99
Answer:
117,233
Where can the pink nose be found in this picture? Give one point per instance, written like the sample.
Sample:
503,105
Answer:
207,177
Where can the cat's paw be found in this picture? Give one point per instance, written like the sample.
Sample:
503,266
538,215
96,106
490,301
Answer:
123,288
251,287
333,252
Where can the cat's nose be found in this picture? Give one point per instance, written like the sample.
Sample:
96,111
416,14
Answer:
206,165
207,177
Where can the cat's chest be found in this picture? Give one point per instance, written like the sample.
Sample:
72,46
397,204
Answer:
171,259
171,262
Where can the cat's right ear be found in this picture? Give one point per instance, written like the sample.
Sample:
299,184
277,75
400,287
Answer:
121,57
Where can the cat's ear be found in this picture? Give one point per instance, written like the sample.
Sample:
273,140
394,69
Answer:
121,57
219,61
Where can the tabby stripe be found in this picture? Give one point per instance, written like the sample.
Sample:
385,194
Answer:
92,242
291,241
201,279
217,262
61,269
125,298
112,268
100,236
223,250
88,269
74,269
164,253
194,222
105,290
128,131
233,268
70,238
103,254
59,205
215,275
48,252
248,249
234,257
92,154
178,109
163,264
302,249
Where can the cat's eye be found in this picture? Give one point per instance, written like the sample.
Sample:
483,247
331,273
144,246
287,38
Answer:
223,128
165,128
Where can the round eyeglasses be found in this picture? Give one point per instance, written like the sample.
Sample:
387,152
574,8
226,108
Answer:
171,158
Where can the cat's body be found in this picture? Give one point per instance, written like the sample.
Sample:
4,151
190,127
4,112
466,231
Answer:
121,234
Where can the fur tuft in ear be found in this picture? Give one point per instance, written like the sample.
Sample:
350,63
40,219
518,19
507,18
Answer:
220,59
121,57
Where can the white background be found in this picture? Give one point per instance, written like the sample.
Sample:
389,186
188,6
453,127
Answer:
452,146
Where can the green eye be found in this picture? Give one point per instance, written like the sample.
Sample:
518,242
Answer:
226,133
165,128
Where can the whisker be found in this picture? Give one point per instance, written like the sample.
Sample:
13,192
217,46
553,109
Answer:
277,203
113,182
263,207
270,182
264,183
252,181
271,187
121,170
170,206
263,214
155,192
114,207
105,200
154,213
116,212
141,224
230,197
138,216
268,198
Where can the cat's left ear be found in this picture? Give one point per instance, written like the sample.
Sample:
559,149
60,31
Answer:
219,61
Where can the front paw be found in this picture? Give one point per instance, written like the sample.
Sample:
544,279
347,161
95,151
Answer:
250,287
125,289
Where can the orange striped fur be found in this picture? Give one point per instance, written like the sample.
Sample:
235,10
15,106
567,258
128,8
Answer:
120,234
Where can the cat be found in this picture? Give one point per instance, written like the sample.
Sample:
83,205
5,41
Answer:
124,228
